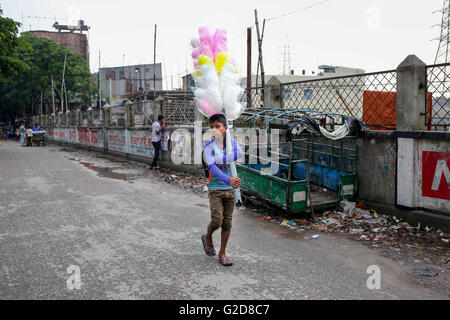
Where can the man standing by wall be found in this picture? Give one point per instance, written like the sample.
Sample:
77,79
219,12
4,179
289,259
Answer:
157,129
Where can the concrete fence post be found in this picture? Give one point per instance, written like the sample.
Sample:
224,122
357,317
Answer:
158,107
68,119
411,92
106,115
272,93
78,118
90,117
129,114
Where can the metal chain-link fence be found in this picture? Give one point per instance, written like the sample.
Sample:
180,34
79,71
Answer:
179,110
143,113
256,100
96,118
118,116
370,97
438,97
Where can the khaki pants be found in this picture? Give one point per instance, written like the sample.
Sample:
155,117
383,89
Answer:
222,205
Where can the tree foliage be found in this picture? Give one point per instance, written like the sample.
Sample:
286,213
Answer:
9,42
22,91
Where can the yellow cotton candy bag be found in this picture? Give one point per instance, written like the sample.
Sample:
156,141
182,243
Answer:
221,59
205,60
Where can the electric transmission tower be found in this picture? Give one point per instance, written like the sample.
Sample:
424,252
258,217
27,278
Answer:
442,54
287,65
439,78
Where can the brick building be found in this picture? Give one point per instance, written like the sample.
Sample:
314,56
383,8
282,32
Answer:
76,42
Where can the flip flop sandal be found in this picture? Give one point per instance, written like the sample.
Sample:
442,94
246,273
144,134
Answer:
226,262
210,252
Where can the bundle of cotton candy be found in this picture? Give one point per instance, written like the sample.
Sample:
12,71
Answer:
217,81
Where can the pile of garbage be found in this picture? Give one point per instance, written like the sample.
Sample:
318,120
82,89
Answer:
188,181
369,226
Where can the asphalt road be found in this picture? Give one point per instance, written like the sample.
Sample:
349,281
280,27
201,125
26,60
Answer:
140,239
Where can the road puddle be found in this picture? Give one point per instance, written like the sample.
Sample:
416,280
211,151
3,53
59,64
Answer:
108,172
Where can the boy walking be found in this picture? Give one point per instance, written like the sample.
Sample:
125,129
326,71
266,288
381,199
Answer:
220,187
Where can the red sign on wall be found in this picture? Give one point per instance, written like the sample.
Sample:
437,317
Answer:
436,175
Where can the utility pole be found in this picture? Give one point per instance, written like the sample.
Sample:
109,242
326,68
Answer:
110,90
32,90
249,67
165,76
53,98
99,82
62,85
65,96
154,67
260,55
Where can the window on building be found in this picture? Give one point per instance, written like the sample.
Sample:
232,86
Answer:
308,94
110,75
147,70
287,94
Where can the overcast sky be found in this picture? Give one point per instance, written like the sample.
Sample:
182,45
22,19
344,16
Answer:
373,35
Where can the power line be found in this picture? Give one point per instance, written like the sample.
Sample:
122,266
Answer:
299,10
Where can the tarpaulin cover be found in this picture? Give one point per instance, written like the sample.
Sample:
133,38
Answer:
350,127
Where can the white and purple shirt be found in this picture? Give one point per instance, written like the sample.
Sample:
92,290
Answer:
218,163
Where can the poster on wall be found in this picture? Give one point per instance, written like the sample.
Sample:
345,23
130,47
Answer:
141,144
116,140
165,137
436,175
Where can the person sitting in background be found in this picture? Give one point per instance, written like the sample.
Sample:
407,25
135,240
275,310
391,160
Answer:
29,137
36,127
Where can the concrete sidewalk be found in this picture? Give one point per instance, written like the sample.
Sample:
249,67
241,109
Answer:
140,239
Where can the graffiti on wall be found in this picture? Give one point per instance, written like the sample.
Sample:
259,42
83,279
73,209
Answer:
97,138
141,143
83,137
116,140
